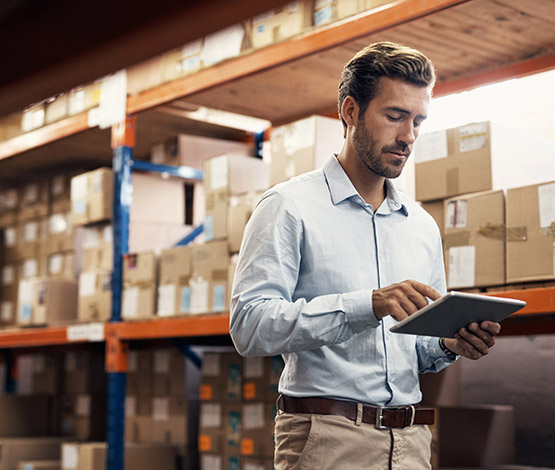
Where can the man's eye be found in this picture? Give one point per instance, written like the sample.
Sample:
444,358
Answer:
393,118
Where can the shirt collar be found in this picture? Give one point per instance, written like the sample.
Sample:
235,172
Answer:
341,188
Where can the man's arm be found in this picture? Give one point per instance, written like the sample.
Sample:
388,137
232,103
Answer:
265,318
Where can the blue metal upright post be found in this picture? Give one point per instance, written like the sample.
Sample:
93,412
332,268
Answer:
123,158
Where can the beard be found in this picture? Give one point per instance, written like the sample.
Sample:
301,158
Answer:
373,157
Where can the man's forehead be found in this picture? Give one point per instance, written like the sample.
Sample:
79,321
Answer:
396,92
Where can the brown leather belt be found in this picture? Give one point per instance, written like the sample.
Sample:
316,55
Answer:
382,418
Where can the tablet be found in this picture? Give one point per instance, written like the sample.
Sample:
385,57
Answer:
455,310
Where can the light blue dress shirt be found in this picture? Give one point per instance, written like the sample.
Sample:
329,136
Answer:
312,254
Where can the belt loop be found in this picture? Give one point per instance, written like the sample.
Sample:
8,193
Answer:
278,400
412,414
358,421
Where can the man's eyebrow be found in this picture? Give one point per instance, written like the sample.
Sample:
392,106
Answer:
404,111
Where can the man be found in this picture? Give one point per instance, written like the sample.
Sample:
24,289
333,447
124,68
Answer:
330,261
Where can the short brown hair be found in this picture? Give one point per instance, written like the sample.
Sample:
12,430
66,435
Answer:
361,74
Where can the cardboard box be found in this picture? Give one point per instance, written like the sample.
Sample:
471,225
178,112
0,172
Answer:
174,293
61,266
33,200
221,377
173,374
140,372
84,373
39,374
175,420
29,241
92,196
443,388
13,451
328,11
192,150
473,436
58,233
239,211
281,23
436,210
531,233
39,465
261,378
144,75
9,206
56,108
479,157
9,293
224,176
303,146
33,117
181,61
474,240
46,301
211,428
92,456
95,295
254,463
258,429
97,247
32,267
11,237
24,416
139,285
236,39
83,416
60,194
83,98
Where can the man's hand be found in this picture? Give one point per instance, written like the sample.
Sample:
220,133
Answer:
475,341
402,299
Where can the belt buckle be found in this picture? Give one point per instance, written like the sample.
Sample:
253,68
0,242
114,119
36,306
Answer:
379,418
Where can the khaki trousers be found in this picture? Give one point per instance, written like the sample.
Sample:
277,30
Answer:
325,442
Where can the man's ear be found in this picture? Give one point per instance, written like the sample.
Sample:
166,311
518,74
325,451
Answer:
349,111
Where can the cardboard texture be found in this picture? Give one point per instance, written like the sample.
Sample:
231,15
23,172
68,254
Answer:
60,193
479,157
95,295
84,373
59,233
281,23
9,206
61,266
92,196
303,146
30,235
140,373
33,200
92,456
174,293
39,465
46,301
531,233
24,415
473,436
221,377
261,378
13,451
139,285
258,429
474,240
83,416
173,374
39,374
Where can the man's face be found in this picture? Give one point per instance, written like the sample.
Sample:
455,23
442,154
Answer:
384,135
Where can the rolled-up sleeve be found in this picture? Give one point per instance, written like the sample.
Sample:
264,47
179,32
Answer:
265,317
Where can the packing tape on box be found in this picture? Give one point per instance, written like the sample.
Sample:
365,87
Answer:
517,234
548,231
457,239
494,231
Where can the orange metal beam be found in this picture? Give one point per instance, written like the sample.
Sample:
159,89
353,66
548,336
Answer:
204,325
47,336
309,43
539,301
521,69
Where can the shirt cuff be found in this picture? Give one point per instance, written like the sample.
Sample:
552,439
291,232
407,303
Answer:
359,311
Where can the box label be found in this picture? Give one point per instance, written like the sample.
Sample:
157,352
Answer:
457,214
161,362
247,446
130,406
211,365
323,16
185,304
130,308
199,295
253,416
209,228
30,232
219,299
57,223
7,311
166,299
70,457
133,361
10,237
253,367
546,199
30,268
58,185
206,392
204,443
462,261
87,284
8,275
83,406
55,264
211,462
160,409
432,146
473,137
211,415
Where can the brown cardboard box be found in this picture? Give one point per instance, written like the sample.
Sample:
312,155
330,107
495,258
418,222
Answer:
178,63
56,108
97,247
531,233
221,377
144,75
24,415
33,200
92,196
239,211
327,11
443,388
83,98
257,463
436,210
258,429
61,266
13,451
59,233
211,428
46,301
11,238
60,193
9,293
479,157
32,267
83,416
474,240
29,242
174,292
39,374
281,23
84,373
39,465
473,436
139,429
92,456
173,374
9,206
224,176
175,420
261,378
237,40
192,150
139,281
32,117
95,295
303,146
140,373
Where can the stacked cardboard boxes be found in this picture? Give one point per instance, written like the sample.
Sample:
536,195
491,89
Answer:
13,451
468,170
139,285
174,291
328,11
39,465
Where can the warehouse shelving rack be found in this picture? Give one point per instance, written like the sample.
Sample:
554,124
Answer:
280,83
